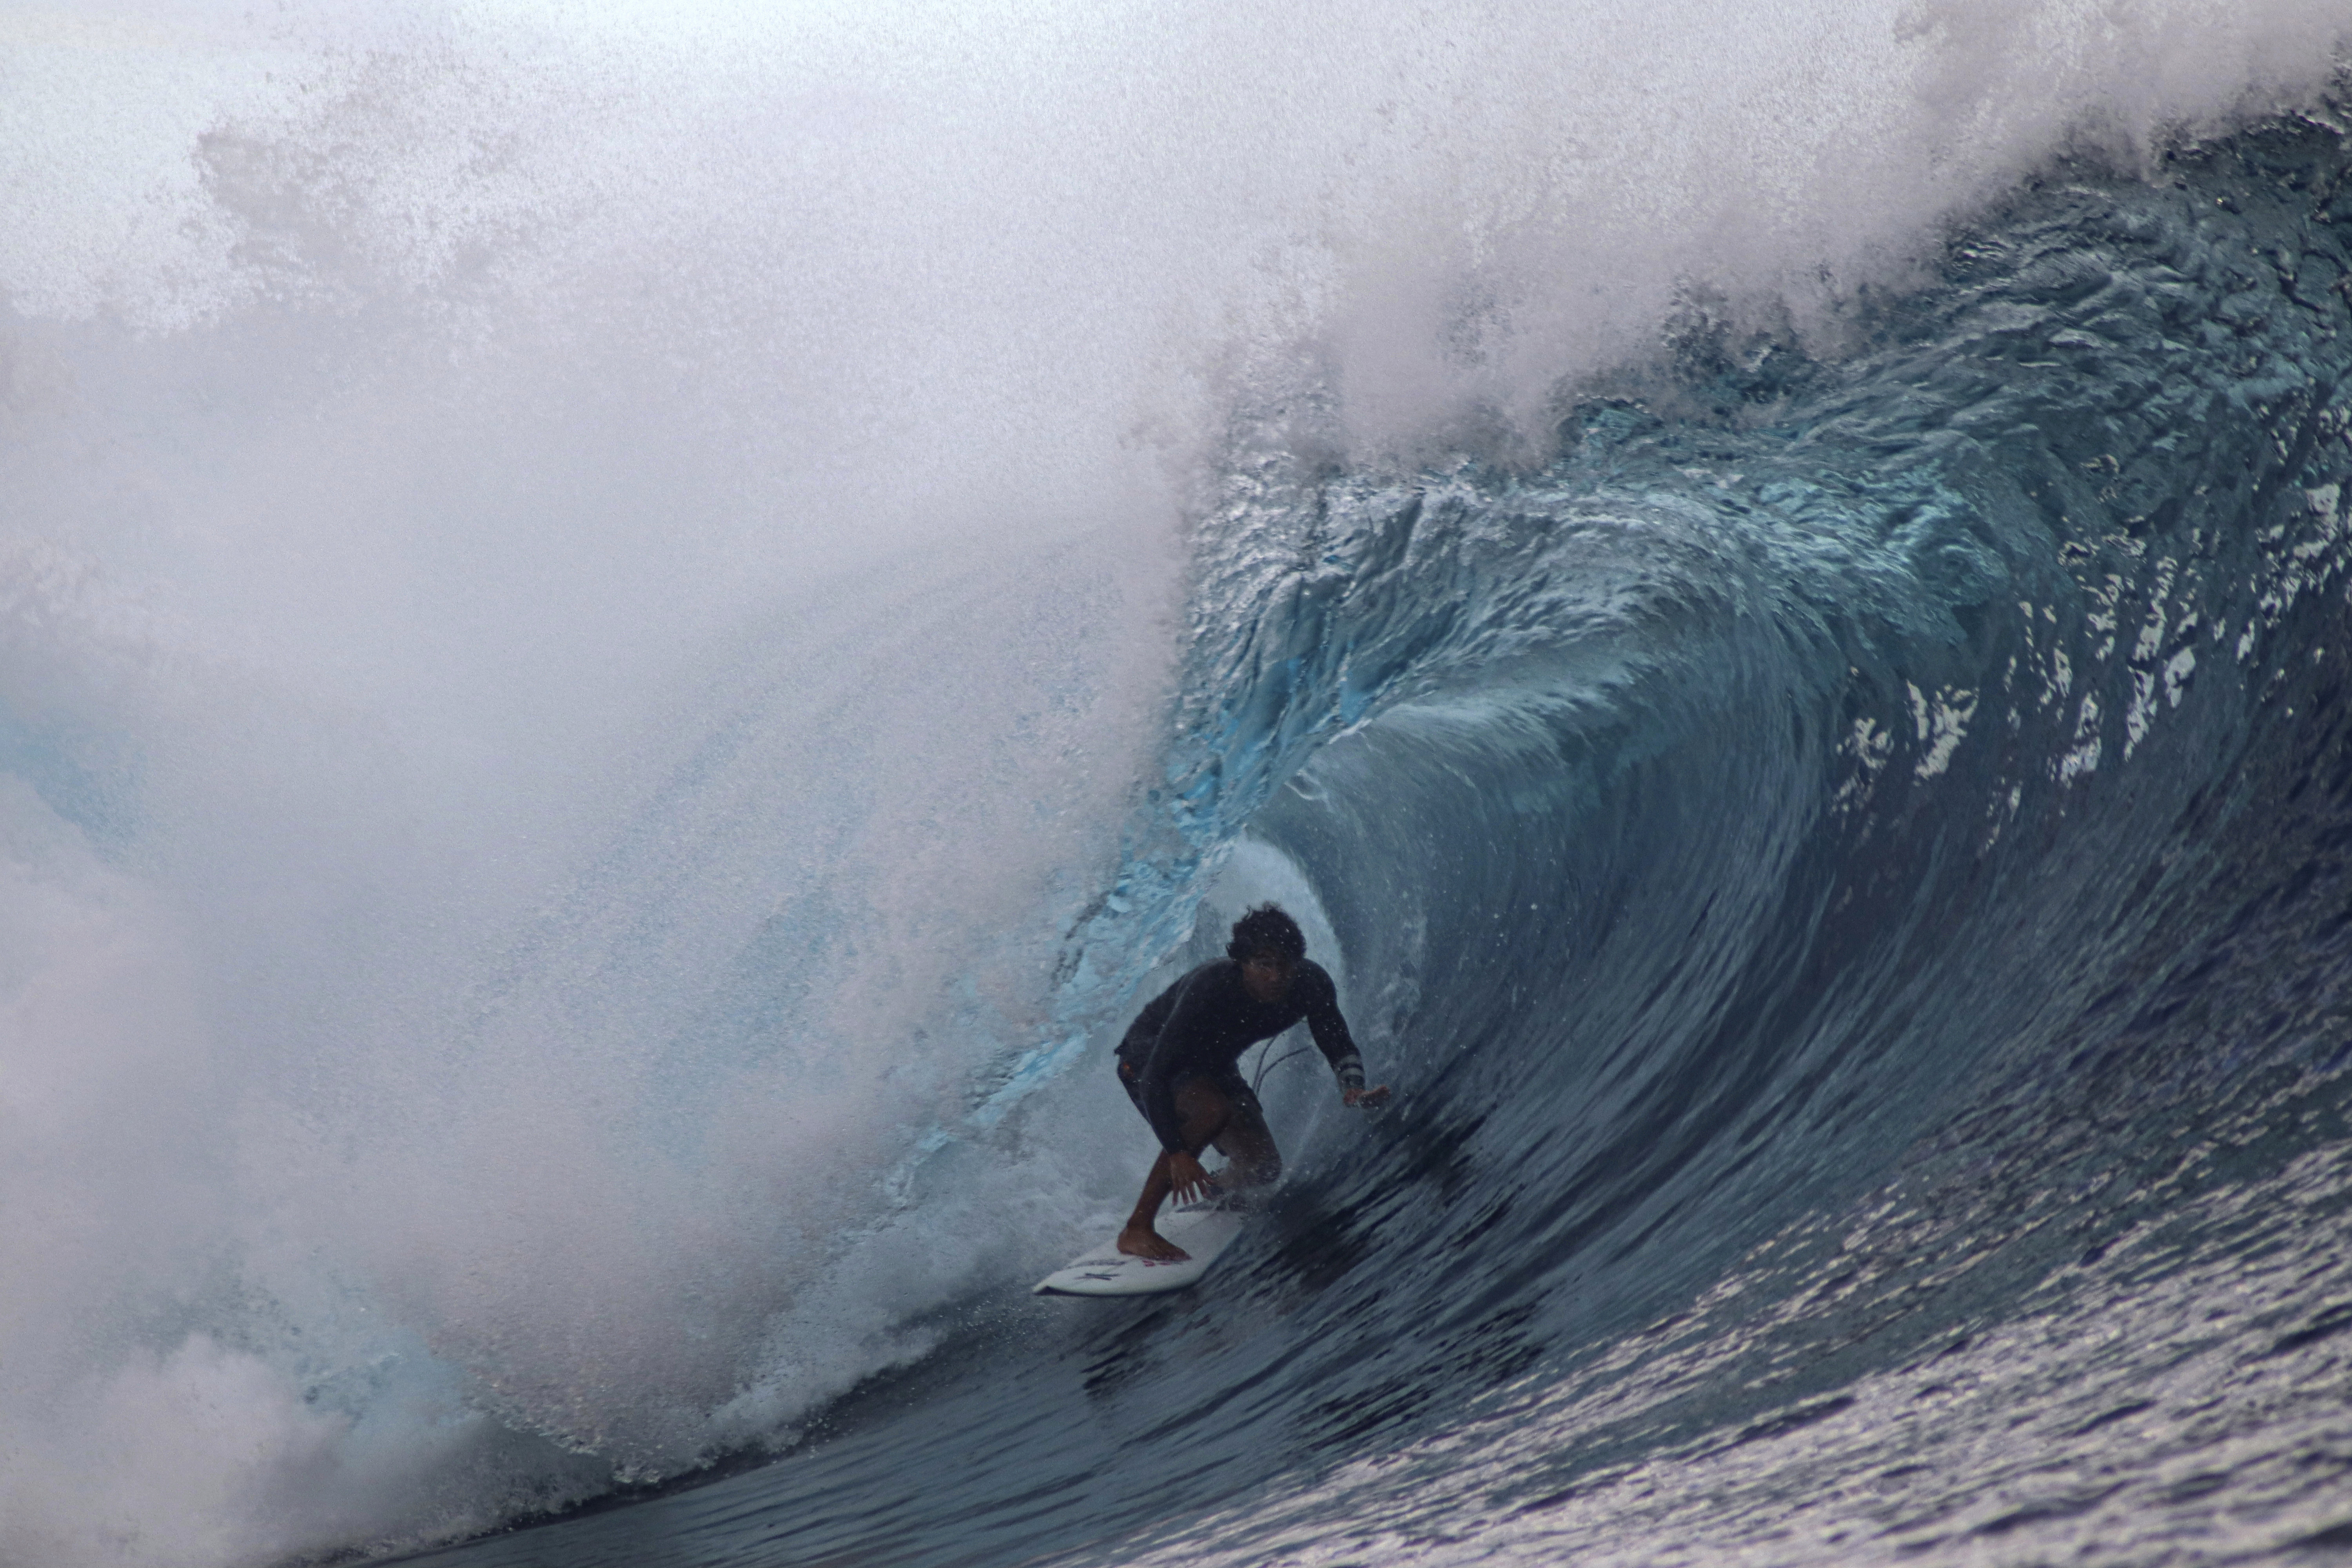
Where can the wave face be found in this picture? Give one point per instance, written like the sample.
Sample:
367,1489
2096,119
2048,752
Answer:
1845,869
627,640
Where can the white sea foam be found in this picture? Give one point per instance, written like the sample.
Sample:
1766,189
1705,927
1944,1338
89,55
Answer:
503,849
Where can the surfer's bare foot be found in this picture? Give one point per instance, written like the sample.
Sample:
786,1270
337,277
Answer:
1142,1241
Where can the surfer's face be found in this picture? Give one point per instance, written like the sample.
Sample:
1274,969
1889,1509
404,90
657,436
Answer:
1267,977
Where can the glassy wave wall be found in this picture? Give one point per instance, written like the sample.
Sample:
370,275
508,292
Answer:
1846,870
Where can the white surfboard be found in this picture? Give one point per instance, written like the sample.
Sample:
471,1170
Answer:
1204,1232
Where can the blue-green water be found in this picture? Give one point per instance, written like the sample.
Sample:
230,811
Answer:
1848,867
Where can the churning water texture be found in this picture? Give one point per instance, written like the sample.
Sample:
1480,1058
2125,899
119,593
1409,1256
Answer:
1847,868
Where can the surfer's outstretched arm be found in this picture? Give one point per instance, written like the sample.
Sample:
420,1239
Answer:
1330,1028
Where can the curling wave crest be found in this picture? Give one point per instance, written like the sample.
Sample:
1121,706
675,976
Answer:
1845,867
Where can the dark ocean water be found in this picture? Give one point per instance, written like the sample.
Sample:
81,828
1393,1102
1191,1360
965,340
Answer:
1847,867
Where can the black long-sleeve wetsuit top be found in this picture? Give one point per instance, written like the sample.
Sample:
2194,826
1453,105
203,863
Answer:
1201,1026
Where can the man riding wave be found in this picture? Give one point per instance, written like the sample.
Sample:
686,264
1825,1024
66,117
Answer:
1177,1063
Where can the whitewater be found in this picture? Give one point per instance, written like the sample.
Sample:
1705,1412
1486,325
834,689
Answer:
629,636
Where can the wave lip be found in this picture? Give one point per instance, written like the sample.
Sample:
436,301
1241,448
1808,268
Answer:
1916,741
1843,865
582,617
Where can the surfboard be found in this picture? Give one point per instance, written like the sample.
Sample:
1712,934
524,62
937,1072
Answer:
1203,1231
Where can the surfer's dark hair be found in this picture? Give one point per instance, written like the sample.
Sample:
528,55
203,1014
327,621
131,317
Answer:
1266,931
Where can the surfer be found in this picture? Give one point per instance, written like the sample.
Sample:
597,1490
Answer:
1177,1060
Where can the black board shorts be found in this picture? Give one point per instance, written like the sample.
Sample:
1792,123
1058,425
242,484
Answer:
1230,1083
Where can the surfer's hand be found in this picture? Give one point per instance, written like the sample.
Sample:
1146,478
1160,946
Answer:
1185,1174
1365,1099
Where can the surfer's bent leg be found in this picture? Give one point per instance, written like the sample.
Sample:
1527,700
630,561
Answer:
1245,1139
1201,1112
